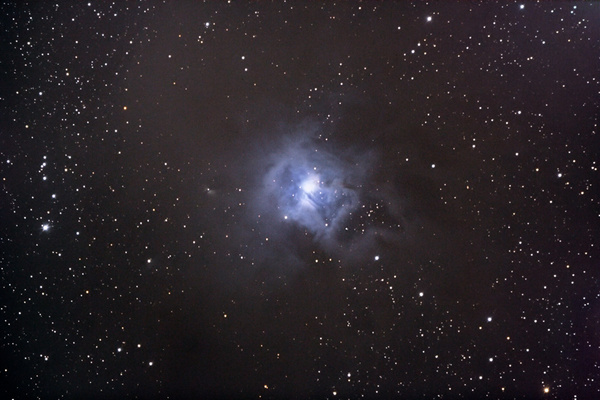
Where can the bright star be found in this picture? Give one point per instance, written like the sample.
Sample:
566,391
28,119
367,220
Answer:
310,185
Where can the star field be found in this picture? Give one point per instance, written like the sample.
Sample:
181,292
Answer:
300,200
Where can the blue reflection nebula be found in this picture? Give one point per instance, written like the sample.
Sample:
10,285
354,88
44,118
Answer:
313,187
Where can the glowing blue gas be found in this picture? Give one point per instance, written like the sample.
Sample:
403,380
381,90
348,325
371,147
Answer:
312,187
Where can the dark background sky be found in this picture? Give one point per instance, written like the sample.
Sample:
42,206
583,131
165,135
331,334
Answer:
150,152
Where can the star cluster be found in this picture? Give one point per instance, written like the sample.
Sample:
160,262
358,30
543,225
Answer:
300,200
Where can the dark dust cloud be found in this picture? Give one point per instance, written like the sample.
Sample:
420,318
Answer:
299,200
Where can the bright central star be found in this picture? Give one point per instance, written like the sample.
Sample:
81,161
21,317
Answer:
310,184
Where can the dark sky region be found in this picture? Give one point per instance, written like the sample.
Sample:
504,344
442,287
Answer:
300,200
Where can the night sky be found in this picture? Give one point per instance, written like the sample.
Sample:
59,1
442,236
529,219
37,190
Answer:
300,200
